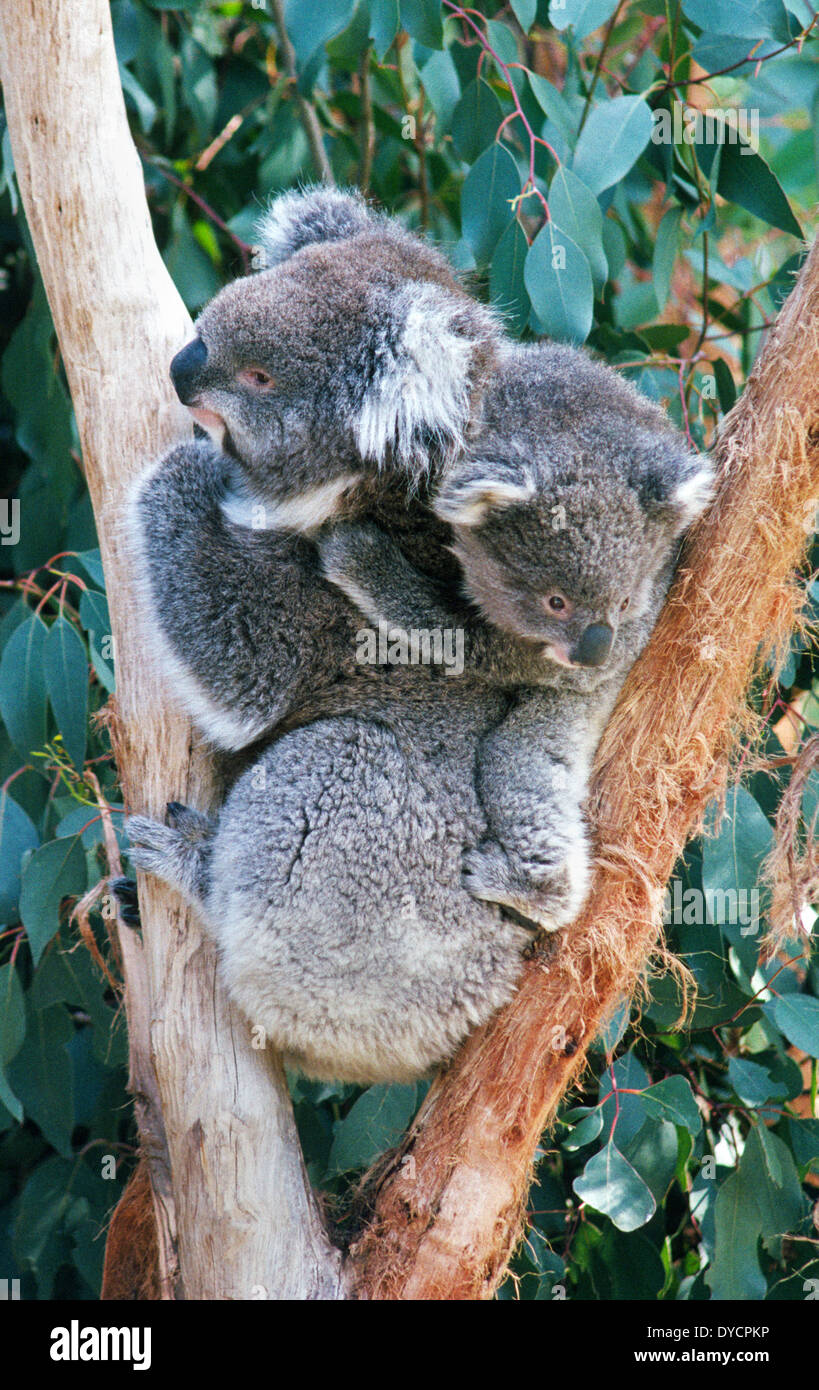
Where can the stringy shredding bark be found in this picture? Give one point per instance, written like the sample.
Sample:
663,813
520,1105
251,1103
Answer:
131,1269
792,868
683,724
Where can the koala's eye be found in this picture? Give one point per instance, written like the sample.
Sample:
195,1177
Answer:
258,378
624,605
558,605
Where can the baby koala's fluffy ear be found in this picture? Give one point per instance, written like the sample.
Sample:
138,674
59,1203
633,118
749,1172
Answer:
674,483
480,488
431,353
317,214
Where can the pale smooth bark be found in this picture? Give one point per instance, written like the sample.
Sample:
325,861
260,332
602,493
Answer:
235,1212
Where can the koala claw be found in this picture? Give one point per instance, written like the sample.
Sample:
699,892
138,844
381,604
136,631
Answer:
125,892
550,901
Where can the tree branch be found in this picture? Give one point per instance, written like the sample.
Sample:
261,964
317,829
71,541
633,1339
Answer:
309,119
445,1225
237,1211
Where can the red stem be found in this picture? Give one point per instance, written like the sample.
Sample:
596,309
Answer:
534,140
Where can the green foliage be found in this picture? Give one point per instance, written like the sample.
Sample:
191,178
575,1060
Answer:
549,150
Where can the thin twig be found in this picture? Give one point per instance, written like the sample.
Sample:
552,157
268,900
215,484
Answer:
720,72
218,143
367,125
213,216
534,140
309,119
598,65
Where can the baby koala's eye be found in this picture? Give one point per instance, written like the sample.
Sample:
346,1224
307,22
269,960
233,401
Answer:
258,378
624,605
558,605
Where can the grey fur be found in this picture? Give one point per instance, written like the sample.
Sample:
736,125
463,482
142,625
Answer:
575,485
353,876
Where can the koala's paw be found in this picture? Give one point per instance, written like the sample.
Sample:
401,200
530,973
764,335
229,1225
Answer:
486,872
176,852
152,844
125,892
549,898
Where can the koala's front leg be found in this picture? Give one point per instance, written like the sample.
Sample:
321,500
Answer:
367,565
532,780
223,601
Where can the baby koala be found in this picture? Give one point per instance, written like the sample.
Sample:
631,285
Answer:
566,512
368,876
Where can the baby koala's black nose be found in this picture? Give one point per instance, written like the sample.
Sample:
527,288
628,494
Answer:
594,646
186,370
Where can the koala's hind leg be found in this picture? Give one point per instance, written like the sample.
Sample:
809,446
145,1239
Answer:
336,903
177,852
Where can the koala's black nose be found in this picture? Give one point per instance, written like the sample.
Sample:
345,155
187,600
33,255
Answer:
186,370
594,646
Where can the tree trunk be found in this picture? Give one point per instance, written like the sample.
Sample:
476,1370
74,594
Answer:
235,1213
445,1225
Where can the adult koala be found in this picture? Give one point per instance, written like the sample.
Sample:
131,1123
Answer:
339,381
353,876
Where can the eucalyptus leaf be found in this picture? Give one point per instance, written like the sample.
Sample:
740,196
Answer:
475,120
310,26
584,16
612,1186
752,1083
66,673
575,208
507,287
12,1033
798,1017
424,21
42,1077
665,253
524,12
554,104
23,691
17,834
487,197
385,21
673,1100
375,1122
612,140
559,283
54,871
585,1132
740,19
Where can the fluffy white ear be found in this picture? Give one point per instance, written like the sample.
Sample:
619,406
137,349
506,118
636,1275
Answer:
315,214
692,494
469,500
672,483
436,350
